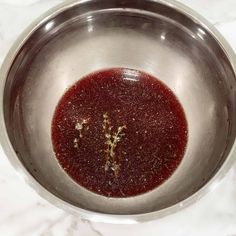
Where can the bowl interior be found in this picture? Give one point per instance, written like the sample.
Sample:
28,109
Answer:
144,35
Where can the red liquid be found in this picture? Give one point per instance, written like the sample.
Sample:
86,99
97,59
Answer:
119,132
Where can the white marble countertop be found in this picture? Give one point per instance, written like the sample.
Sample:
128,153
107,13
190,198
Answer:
24,213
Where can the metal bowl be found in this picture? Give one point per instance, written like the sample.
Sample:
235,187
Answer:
162,38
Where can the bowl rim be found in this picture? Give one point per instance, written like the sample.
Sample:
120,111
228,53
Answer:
88,214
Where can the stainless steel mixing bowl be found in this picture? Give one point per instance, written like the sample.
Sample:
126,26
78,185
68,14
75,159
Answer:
163,38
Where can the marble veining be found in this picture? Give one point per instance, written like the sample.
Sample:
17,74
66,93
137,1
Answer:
23,212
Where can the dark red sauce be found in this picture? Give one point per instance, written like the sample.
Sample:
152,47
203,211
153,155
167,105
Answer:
119,132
